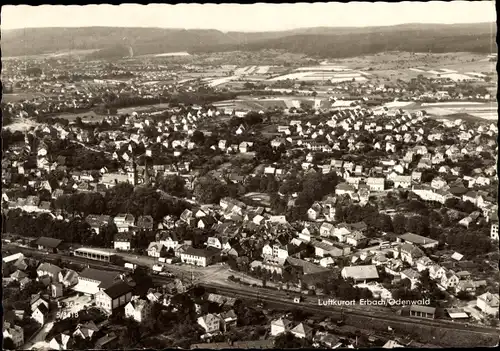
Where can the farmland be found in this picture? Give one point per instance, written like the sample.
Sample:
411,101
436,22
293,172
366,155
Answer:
19,96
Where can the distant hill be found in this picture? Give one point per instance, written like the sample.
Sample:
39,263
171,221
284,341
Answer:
113,42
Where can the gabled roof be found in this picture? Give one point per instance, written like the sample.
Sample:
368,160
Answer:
417,239
42,308
48,242
361,272
425,309
155,245
49,267
301,328
99,275
281,322
200,252
490,299
118,289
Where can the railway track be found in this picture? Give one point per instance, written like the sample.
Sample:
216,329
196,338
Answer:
338,311
280,299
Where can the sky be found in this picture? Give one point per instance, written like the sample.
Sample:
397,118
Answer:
250,18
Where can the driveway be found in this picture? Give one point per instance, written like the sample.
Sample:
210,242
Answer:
38,340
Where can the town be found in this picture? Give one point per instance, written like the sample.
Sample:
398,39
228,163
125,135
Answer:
236,201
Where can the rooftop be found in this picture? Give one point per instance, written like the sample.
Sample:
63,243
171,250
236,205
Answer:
48,242
118,289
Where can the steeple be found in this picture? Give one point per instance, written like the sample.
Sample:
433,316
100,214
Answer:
132,173
146,176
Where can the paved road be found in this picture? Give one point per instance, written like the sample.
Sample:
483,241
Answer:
90,148
38,340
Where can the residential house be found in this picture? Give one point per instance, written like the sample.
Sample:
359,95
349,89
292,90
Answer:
314,212
48,244
124,222
494,230
302,331
356,239
488,303
122,241
228,320
449,280
345,189
85,330
138,310
402,182
280,326
412,275
375,184
37,300
91,281
198,257
326,229
322,249
118,294
436,272
424,263
156,249
341,231
50,270
40,313
168,239
60,342
145,223
210,322
360,273
409,253
96,222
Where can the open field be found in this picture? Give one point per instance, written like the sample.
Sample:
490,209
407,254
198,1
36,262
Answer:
398,65
475,110
21,125
320,75
167,54
72,53
487,111
19,97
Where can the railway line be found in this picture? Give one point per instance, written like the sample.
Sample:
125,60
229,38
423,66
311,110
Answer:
309,305
279,298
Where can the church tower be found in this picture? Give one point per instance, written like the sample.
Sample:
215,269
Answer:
146,175
132,173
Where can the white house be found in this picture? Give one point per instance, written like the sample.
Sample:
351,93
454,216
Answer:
402,182
360,273
197,257
122,241
302,331
40,314
488,303
156,249
210,322
138,310
280,326
375,184
60,342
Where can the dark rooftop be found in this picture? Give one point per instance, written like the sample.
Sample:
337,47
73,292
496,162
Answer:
48,242
118,289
